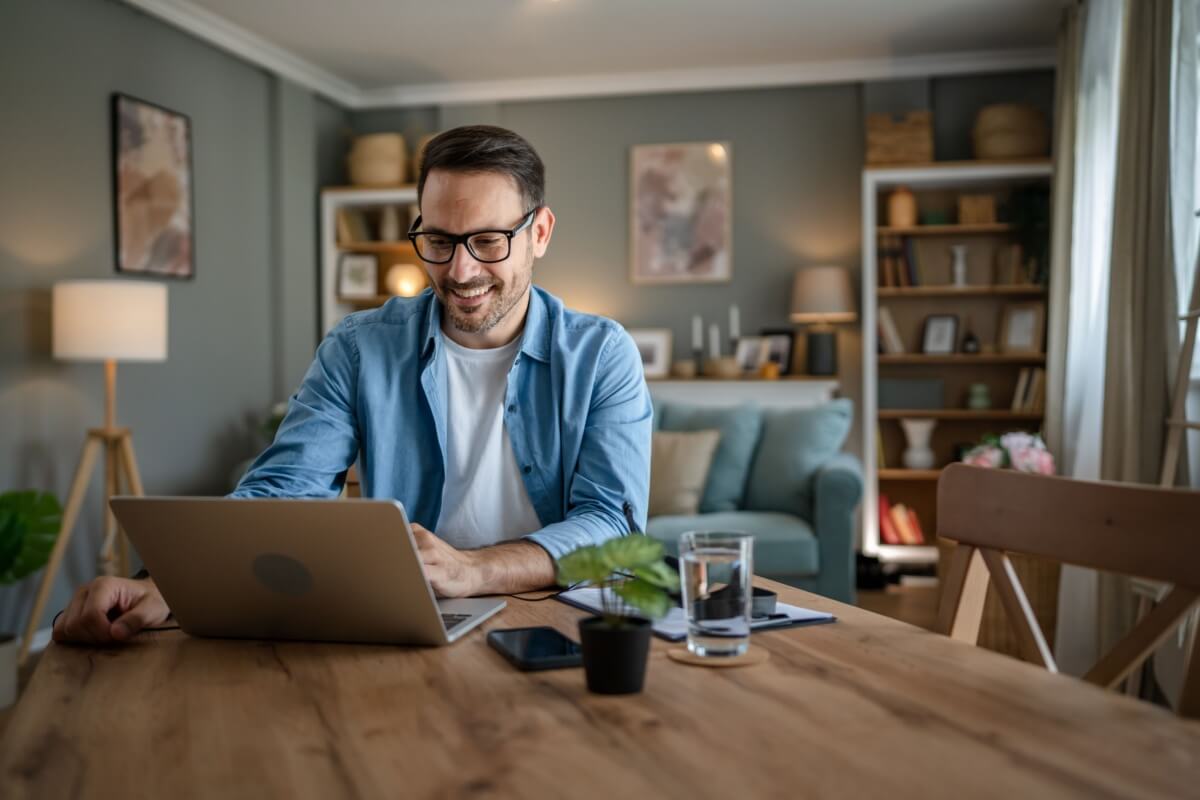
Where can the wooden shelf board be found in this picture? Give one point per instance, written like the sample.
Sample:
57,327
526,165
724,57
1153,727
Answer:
909,474
908,553
960,414
376,300
377,247
960,359
948,230
949,290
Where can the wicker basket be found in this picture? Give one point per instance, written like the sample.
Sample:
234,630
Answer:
378,159
1010,131
907,140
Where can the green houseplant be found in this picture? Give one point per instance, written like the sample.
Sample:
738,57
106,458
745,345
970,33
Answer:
29,525
634,583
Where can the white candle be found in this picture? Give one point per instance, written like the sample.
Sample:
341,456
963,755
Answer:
697,333
714,340
735,328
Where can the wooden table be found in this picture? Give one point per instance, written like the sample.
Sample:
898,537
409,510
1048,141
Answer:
867,707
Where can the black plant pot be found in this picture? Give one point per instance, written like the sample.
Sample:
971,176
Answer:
614,657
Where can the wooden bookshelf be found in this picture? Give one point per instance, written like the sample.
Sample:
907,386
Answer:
948,230
950,290
962,359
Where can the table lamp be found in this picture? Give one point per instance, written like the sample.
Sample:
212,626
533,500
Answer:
107,321
822,297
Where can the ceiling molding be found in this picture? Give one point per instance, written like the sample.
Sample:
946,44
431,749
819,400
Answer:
273,58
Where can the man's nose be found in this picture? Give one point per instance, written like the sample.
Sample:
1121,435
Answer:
463,266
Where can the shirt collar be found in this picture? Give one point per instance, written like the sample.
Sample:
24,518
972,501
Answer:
535,338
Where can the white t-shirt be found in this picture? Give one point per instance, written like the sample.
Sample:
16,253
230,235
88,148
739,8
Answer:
484,500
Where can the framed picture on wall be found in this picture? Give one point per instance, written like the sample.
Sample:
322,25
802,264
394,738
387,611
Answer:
681,213
152,189
654,345
941,335
1022,328
358,276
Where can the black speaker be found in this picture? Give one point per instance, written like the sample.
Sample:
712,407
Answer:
822,353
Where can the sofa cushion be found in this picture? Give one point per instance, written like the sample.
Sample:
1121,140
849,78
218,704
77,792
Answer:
784,544
793,445
739,427
679,462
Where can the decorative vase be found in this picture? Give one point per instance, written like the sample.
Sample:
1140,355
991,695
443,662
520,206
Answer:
614,657
979,397
959,252
902,208
917,432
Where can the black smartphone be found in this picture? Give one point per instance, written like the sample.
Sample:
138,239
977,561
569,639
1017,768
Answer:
536,648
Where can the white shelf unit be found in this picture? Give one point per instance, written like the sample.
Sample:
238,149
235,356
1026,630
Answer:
960,175
332,199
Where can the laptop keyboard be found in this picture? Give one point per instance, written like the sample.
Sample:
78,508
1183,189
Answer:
450,620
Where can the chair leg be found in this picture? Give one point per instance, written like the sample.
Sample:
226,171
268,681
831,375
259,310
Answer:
964,589
1189,695
79,484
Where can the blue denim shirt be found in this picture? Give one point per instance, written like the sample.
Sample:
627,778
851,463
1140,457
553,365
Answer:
577,411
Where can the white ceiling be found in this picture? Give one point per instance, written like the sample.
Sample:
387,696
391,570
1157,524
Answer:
376,52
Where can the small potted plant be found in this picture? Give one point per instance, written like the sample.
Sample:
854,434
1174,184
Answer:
29,524
632,577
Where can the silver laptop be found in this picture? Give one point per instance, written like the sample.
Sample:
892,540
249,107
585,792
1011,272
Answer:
342,570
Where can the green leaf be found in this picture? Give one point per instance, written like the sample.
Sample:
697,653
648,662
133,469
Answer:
588,563
29,525
632,551
660,575
650,600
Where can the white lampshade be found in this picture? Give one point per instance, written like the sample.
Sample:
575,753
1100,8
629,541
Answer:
101,320
823,295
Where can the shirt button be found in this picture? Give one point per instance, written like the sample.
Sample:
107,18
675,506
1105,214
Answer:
527,469
512,408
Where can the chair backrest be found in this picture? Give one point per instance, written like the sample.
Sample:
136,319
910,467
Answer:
1129,529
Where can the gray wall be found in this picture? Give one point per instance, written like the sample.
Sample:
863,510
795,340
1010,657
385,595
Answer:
243,327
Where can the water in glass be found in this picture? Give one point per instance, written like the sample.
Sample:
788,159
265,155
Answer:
716,592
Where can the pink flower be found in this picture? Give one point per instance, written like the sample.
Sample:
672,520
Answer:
985,456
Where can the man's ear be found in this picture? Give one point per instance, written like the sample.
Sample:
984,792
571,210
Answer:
543,227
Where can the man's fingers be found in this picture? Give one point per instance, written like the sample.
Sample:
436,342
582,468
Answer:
145,612
69,614
95,625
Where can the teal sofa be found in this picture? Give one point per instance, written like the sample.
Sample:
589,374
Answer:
780,475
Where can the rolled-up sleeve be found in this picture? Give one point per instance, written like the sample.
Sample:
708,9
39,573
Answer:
613,469
318,439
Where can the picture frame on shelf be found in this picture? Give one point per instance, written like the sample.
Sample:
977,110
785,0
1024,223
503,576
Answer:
152,189
681,214
940,335
751,353
654,346
781,345
1022,328
358,275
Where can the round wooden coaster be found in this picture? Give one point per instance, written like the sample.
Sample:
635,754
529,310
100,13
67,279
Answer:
755,655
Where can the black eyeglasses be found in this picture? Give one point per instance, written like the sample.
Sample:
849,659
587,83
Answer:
486,246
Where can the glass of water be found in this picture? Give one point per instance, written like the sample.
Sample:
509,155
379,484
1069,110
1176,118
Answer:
716,567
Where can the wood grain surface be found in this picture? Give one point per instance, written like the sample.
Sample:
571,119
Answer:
865,707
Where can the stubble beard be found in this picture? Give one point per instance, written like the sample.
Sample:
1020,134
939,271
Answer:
503,298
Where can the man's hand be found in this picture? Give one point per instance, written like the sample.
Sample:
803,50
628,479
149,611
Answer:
505,568
109,610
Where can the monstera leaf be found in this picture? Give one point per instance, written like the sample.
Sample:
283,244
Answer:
29,524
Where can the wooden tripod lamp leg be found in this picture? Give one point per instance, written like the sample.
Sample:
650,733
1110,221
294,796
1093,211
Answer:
127,469
79,484
108,560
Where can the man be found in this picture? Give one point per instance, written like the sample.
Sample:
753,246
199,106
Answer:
512,429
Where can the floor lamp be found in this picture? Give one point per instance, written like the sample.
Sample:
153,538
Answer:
105,321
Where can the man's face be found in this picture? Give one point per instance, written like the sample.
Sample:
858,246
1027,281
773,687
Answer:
478,297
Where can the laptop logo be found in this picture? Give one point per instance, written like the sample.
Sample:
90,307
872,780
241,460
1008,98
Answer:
282,574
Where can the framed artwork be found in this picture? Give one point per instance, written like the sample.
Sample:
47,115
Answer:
654,345
681,215
781,343
1022,328
358,275
751,353
941,335
152,189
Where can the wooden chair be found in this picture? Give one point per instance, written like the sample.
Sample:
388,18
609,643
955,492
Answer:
1129,529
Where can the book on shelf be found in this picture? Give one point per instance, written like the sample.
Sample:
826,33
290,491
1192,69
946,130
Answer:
1030,394
914,267
887,528
352,226
889,333
903,519
1018,399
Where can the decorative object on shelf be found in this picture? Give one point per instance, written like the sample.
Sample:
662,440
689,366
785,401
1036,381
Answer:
654,345
940,336
358,275
152,187
681,215
822,297
925,394
976,209
1010,130
979,397
735,327
684,369
389,224
751,353
419,155
769,371
723,368
900,140
377,159
714,341
1019,450
405,280
781,343
1022,327
632,577
698,343
970,342
106,321
902,208
29,525
934,216
917,434
958,267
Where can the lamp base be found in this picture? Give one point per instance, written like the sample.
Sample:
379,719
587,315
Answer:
822,352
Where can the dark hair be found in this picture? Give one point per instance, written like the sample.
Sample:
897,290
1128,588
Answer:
486,148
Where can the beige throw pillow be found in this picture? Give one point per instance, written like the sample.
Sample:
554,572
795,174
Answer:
679,462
